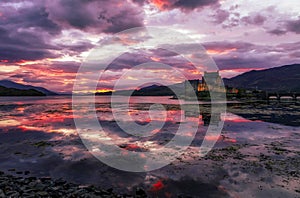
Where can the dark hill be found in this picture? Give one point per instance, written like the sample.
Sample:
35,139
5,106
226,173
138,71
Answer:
284,78
18,92
14,85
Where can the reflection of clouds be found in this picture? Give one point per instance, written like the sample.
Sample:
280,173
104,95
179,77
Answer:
67,157
9,123
57,118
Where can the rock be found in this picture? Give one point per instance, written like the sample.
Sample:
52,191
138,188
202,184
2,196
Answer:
60,182
140,193
2,194
42,193
28,195
39,187
13,194
11,186
26,172
43,179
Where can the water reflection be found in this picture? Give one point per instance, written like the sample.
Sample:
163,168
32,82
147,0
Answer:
41,137
55,115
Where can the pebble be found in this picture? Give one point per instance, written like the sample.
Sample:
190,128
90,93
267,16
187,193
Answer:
11,186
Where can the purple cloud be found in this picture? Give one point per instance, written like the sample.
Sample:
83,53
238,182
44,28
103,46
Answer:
288,26
24,32
184,5
256,19
95,15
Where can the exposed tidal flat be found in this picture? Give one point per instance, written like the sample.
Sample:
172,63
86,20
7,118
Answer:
256,155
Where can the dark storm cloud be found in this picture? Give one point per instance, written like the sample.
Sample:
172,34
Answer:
231,18
220,16
243,62
65,67
242,55
192,4
255,19
24,32
139,2
34,17
27,28
16,46
95,15
184,5
287,26
277,32
293,26
33,79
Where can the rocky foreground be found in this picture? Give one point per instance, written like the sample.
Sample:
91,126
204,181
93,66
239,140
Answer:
11,186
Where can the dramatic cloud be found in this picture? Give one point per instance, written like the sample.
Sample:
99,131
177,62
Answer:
242,55
288,26
220,16
22,45
24,32
95,15
256,19
28,27
192,4
65,67
130,60
43,42
277,32
184,5
293,26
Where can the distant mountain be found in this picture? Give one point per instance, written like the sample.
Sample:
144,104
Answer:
155,90
285,78
11,84
18,92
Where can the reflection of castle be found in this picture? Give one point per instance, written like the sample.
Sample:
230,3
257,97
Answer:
206,115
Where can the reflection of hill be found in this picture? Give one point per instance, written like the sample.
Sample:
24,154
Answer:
286,114
18,92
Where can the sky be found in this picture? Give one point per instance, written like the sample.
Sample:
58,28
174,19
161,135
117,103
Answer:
44,42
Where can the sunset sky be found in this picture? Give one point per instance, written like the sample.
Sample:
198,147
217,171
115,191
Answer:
43,42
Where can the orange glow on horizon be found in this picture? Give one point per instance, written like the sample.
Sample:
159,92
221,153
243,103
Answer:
155,59
104,90
220,52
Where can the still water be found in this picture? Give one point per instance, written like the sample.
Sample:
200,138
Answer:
38,137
